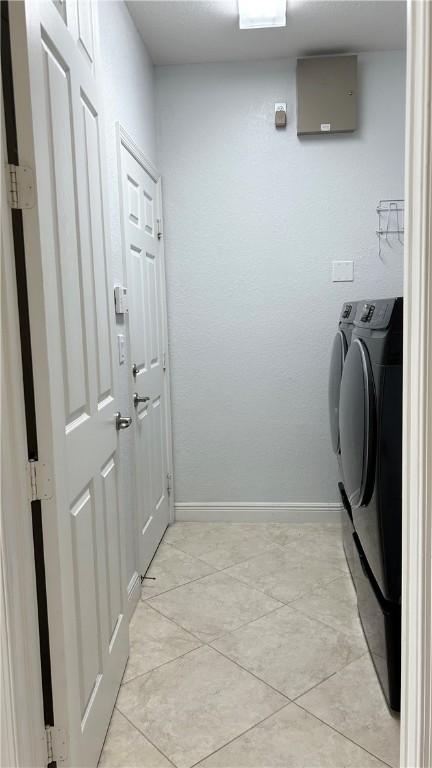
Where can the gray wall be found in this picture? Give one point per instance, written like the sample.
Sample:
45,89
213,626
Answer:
253,220
128,82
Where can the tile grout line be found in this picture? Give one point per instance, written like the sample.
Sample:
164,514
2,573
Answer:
281,547
276,690
269,685
284,602
242,626
204,643
159,666
174,621
324,680
243,733
340,733
244,583
224,634
324,623
294,700
178,586
238,562
146,737
310,714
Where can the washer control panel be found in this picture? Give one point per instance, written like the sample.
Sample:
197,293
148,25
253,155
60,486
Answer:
374,314
367,313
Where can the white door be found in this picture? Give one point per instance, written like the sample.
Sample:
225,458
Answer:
143,249
54,50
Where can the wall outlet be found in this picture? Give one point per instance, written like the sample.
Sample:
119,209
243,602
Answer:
342,271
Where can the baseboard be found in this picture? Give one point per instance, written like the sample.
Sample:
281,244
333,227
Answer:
261,512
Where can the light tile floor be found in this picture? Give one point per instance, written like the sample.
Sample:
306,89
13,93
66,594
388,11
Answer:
247,652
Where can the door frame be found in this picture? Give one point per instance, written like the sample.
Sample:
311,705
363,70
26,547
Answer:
416,730
124,139
416,698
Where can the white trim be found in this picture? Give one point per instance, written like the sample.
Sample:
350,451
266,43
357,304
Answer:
22,719
258,512
416,693
123,137
170,462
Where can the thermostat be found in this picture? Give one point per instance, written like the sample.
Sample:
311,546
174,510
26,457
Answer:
280,114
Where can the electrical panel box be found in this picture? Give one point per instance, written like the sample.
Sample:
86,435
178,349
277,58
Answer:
326,94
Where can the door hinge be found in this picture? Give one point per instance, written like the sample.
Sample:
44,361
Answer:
164,361
39,481
20,187
169,483
56,744
159,229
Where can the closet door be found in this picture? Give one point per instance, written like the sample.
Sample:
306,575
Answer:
149,384
54,49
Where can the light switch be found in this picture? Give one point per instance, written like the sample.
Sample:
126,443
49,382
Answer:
121,348
343,271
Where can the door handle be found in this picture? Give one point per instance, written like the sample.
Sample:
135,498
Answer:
137,399
122,422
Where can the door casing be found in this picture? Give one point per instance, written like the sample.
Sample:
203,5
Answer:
417,511
416,689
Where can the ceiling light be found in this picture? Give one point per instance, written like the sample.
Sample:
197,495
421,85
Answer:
254,14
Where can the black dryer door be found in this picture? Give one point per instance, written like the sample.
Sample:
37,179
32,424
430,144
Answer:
357,425
337,360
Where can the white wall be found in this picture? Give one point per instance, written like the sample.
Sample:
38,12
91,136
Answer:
128,81
253,219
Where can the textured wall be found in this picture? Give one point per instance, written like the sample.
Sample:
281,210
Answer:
128,81
253,220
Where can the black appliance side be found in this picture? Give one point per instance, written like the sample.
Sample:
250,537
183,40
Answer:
381,622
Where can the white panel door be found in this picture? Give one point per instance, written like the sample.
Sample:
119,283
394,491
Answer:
141,203
70,300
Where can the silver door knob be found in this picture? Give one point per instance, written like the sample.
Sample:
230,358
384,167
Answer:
122,422
137,399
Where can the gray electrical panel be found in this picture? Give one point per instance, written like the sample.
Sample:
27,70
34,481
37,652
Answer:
326,94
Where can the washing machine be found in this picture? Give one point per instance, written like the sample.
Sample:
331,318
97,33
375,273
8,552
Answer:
340,347
370,423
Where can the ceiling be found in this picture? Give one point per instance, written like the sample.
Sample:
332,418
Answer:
192,31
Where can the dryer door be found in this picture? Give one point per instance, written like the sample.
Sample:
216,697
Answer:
357,425
337,360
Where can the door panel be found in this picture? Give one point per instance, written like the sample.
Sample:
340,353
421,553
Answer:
85,29
94,245
146,289
59,134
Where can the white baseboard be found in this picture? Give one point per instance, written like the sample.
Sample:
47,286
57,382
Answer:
261,512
